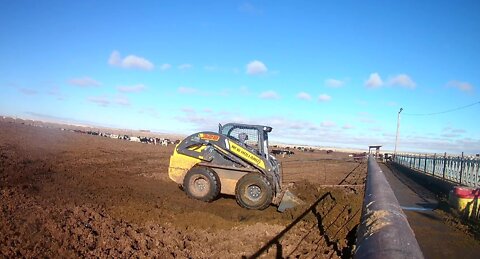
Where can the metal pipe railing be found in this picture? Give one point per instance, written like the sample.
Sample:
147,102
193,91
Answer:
384,231
458,169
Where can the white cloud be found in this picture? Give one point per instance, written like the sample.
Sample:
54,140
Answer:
450,135
376,129
151,112
200,120
374,81
363,114
115,59
392,104
122,100
187,110
324,98
451,130
130,61
210,68
328,124
220,92
256,68
131,89
459,131
304,96
84,82
104,100
334,83
269,95
100,100
133,61
462,86
27,91
444,144
165,66
348,126
388,134
55,91
187,90
185,66
244,90
401,80
366,118
249,9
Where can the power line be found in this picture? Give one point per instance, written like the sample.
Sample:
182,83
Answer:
447,111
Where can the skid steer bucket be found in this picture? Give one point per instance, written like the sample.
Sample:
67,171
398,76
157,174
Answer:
289,200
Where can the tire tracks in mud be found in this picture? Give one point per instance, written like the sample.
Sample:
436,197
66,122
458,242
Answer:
327,227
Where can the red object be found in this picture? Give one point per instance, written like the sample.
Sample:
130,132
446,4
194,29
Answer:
465,192
476,193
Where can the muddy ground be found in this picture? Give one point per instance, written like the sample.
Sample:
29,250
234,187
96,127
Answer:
65,194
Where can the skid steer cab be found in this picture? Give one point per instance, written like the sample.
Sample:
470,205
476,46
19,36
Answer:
234,161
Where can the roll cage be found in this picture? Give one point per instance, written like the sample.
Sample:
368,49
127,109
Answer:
252,136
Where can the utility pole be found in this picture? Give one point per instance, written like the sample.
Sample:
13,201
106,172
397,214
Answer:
396,137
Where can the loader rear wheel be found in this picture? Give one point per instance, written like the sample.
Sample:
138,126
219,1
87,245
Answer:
202,184
254,191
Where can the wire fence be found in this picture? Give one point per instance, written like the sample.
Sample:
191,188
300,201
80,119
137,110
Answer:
464,170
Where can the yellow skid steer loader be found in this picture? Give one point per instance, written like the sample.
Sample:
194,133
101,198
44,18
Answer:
234,161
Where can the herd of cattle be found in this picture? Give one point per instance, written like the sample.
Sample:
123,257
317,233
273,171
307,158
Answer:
165,141
140,139
287,151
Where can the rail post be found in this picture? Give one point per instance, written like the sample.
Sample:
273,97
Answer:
444,164
384,231
461,169
434,163
476,173
425,168
419,161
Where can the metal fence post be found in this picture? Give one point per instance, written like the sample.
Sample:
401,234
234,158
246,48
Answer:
434,163
419,161
477,172
461,169
425,168
444,164
477,163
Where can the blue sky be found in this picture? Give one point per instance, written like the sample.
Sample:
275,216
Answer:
329,73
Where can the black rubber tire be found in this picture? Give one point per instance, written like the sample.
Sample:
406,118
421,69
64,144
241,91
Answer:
201,183
254,191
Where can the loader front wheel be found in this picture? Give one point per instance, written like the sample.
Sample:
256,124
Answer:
202,184
254,191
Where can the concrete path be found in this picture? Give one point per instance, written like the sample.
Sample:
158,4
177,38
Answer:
436,238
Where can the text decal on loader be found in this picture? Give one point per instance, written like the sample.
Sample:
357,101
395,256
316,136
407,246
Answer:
245,154
209,136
